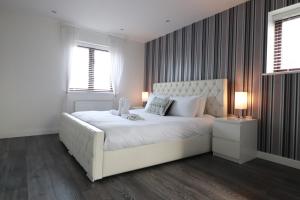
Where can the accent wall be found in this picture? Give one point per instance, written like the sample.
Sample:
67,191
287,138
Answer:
232,45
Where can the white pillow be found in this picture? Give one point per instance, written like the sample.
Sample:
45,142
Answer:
184,106
201,106
151,97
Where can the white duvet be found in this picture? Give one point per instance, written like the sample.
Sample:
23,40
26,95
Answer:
123,133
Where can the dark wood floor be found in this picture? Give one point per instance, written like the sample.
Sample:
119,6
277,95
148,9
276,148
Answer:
40,168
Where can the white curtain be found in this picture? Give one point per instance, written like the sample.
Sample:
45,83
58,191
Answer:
68,37
68,41
117,60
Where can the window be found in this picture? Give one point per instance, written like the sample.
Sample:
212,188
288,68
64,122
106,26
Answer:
284,40
90,69
287,45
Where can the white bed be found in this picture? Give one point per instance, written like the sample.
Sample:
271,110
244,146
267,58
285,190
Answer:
105,145
121,133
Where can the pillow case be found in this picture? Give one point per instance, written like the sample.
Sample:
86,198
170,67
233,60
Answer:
151,97
158,106
188,106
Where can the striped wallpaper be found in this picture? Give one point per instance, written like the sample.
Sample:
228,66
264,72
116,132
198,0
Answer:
280,131
232,45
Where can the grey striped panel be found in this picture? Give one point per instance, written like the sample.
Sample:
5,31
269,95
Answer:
232,45
280,115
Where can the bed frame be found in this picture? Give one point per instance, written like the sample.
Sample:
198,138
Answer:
86,142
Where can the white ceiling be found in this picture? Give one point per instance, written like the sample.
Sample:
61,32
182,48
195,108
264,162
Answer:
142,20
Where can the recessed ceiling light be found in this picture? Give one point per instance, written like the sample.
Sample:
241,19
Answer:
53,11
121,29
168,20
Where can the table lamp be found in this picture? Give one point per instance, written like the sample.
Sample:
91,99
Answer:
240,102
145,96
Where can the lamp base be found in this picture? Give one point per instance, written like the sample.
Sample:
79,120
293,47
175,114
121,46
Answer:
240,114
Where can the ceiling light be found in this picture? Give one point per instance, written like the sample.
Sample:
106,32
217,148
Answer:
121,29
53,11
168,20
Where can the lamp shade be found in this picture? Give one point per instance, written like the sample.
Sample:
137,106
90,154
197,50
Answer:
145,96
240,101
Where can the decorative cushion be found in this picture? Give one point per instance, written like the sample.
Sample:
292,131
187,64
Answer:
151,97
159,106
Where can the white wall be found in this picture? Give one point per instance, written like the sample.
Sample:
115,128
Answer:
33,80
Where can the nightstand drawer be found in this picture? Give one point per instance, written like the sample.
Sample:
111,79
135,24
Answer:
227,131
226,147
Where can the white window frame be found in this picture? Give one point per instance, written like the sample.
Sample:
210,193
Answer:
94,46
91,45
273,16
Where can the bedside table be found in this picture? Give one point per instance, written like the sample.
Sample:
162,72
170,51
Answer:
235,139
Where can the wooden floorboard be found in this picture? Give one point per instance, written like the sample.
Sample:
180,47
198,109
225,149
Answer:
40,168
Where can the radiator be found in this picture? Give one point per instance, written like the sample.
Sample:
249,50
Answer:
99,105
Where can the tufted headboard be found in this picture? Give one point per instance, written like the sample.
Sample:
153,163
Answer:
215,90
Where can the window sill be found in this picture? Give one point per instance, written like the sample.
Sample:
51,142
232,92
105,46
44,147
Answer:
89,92
281,73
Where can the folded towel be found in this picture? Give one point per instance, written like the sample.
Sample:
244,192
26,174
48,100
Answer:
115,112
124,106
132,117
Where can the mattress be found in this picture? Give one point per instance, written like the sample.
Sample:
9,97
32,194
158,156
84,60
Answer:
123,133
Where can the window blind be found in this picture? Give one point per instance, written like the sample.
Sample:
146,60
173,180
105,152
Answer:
90,84
278,46
91,69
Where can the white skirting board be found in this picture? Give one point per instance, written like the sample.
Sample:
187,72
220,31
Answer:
279,159
29,133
